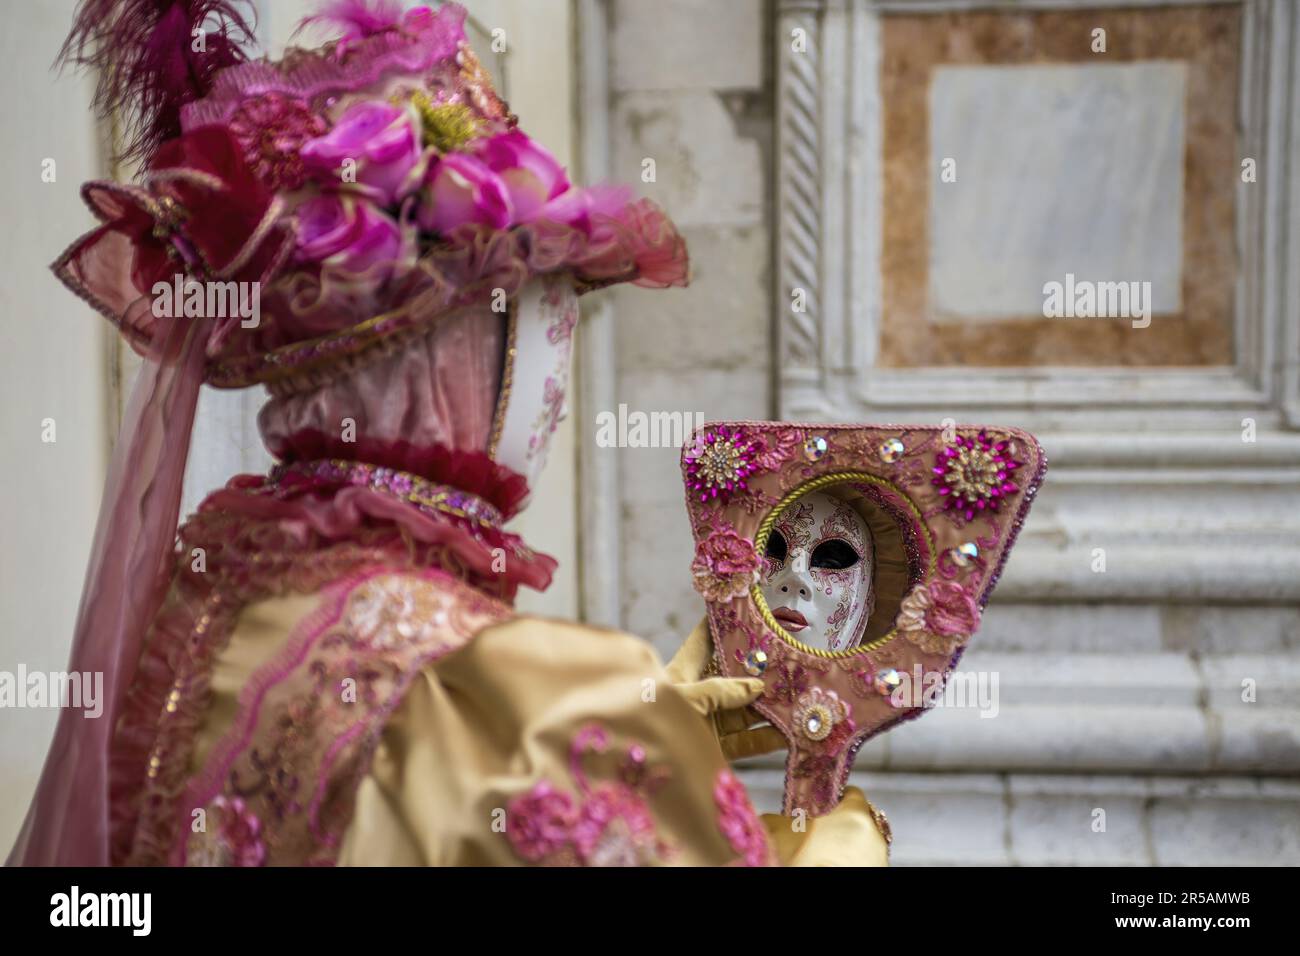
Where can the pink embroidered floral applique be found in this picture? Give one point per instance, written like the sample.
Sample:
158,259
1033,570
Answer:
774,449
231,836
738,821
608,824
819,713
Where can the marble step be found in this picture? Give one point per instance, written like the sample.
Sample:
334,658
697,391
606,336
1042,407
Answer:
1161,713
1054,819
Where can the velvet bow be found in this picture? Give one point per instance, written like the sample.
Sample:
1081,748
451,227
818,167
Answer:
201,212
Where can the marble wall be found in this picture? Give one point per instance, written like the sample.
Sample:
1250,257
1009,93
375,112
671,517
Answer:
1121,692
1044,134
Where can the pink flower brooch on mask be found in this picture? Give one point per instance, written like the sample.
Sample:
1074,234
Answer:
725,566
938,617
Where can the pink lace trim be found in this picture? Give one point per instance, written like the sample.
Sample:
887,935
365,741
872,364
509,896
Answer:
279,787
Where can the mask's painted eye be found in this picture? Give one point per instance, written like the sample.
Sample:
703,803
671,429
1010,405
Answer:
834,555
776,547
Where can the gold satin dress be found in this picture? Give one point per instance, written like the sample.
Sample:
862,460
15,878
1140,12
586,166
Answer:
541,742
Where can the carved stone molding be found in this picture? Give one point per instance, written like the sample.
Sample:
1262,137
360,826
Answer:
1147,462
800,177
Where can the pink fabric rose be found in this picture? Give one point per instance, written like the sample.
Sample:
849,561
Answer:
509,180
381,139
725,566
939,618
532,177
461,188
345,232
953,610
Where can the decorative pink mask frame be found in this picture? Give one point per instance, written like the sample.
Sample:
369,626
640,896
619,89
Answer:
957,497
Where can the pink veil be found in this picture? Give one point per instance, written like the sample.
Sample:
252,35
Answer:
67,823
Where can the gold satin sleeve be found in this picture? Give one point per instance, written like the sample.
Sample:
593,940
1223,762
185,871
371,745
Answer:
496,718
847,836
499,716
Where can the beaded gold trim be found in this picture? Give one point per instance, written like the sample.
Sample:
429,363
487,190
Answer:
765,531
507,379
400,484
882,823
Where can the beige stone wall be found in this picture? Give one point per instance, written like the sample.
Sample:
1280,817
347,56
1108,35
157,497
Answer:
53,365
690,90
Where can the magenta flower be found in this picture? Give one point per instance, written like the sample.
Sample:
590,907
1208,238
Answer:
345,232
381,139
272,130
719,463
509,180
973,475
461,188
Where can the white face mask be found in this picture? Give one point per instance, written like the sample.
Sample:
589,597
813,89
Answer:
817,572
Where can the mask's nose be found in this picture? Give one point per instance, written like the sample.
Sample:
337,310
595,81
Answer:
788,584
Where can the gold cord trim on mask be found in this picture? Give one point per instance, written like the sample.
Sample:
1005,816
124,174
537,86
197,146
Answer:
765,531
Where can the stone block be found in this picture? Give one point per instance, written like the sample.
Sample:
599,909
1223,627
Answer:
686,44
705,171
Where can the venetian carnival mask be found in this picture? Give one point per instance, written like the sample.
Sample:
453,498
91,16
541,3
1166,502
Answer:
817,572
847,567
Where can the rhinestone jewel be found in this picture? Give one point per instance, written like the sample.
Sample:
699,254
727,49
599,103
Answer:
755,663
891,450
964,553
815,447
888,681
817,725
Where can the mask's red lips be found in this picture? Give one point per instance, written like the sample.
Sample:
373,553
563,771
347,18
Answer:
790,619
